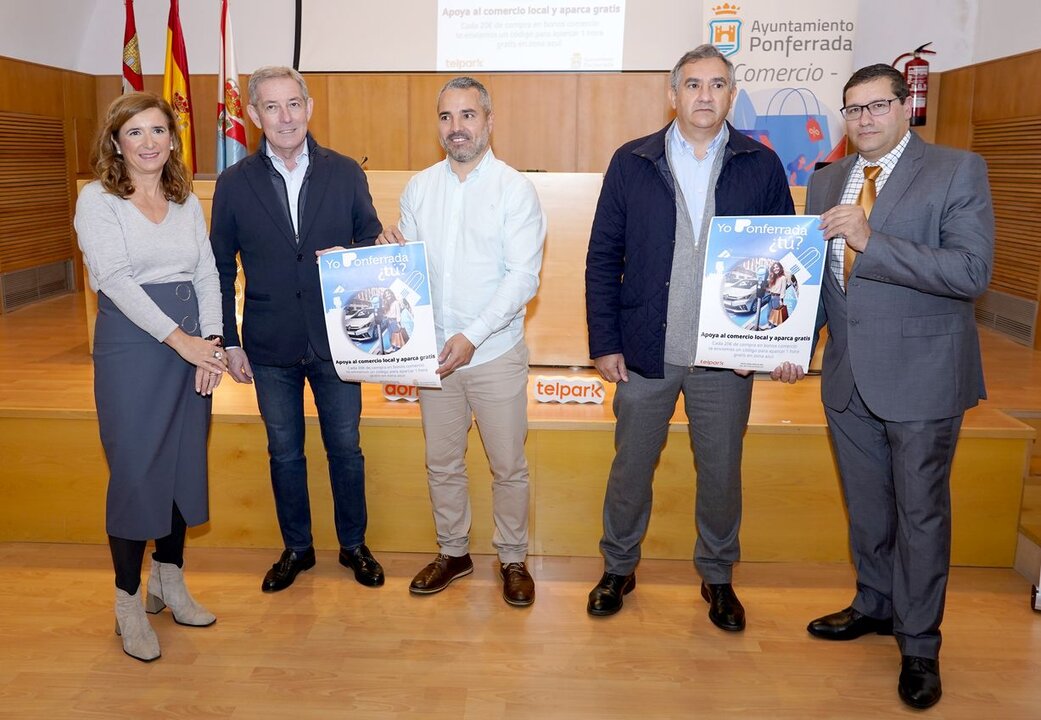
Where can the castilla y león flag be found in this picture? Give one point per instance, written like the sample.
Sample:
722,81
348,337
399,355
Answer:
231,131
132,79
176,89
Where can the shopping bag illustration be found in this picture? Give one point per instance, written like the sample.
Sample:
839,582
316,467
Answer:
797,127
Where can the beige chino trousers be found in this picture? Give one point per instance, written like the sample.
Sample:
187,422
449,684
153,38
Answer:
496,394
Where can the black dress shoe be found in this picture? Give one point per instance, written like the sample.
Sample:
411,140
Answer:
366,569
919,682
848,624
518,588
724,609
436,576
606,597
284,572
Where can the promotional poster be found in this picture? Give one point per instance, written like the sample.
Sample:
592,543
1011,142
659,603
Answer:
761,287
378,314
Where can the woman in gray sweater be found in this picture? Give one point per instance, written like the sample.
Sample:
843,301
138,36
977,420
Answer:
157,355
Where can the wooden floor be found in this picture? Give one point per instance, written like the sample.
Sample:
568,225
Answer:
330,648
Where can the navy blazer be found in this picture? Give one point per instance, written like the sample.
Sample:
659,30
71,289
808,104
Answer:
904,333
283,311
629,262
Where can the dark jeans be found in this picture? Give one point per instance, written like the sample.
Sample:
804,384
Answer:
280,394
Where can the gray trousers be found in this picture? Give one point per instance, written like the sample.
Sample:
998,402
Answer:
896,481
496,394
717,403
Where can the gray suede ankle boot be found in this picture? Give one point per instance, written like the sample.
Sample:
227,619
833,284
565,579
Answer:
166,588
139,640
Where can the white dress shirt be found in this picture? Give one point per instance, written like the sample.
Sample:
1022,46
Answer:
294,182
484,239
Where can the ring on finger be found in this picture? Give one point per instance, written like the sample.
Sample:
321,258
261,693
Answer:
217,354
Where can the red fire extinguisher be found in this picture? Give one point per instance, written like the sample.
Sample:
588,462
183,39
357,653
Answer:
916,72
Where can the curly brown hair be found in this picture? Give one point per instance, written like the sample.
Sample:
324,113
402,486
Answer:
109,166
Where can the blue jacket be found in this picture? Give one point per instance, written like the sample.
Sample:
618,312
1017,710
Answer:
283,311
629,261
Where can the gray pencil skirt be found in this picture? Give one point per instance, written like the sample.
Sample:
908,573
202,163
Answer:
153,424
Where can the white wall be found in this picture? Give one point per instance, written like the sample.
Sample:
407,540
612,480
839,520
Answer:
889,28
1007,27
87,35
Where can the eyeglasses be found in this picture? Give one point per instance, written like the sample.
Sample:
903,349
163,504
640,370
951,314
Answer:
874,108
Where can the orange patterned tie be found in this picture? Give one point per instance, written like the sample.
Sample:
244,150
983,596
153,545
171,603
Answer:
866,200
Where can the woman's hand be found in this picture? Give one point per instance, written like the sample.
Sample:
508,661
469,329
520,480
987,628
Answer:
206,381
206,355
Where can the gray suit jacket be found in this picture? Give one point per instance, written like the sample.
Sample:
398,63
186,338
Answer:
905,332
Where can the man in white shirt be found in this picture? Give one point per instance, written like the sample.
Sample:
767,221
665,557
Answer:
484,231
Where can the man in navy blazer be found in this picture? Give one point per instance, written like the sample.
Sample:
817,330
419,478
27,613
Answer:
902,361
646,248
277,210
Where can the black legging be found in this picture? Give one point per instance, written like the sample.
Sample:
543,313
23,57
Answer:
127,555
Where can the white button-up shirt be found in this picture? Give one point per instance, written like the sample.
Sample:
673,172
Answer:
294,182
484,238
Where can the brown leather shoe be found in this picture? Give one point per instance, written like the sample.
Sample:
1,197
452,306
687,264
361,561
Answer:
436,576
517,586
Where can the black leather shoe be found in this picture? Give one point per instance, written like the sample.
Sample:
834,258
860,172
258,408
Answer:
518,588
284,572
919,682
436,576
606,597
724,609
366,569
848,624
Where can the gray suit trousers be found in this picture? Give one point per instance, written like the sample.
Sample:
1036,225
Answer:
717,403
896,479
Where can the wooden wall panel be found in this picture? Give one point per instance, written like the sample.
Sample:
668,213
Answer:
318,89
368,117
1012,149
30,89
954,108
35,205
424,148
613,109
57,95
391,117
1007,88
79,94
994,109
536,121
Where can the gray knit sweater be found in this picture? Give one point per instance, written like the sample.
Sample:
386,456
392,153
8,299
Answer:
124,250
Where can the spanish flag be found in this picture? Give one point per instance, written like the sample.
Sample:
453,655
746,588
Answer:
132,79
176,89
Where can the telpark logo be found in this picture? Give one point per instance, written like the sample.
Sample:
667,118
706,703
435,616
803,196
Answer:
562,389
725,31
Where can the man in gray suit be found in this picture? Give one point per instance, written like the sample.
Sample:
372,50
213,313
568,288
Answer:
902,362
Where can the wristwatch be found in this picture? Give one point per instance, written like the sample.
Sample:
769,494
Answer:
218,338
